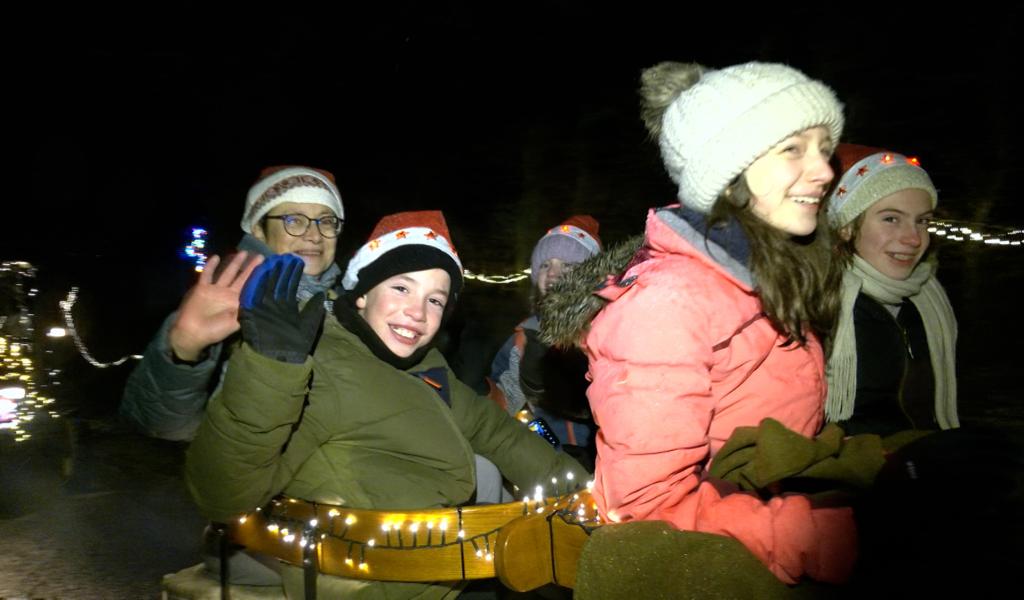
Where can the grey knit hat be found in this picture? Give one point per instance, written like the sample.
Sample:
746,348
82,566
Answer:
716,128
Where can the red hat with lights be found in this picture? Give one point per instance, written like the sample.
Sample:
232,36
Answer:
404,242
870,174
573,241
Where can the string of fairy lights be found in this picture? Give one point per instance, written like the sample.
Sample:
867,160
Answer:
65,306
497,279
343,538
962,231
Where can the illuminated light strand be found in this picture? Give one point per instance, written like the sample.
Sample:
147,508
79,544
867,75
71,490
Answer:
497,279
963,231
282,525
578,518
196,249
65,306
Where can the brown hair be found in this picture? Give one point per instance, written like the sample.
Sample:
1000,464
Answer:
797,278
846,248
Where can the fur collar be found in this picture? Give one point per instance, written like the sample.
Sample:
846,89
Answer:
567,309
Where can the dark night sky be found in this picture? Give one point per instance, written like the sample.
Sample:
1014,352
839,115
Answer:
508,118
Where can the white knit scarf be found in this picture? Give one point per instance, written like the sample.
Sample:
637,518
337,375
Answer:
940,329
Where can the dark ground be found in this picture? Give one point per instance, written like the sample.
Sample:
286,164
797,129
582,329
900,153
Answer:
120,521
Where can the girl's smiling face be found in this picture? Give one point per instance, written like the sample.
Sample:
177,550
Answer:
893,234
788,182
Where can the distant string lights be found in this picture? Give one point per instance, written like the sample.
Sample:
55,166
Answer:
497,279
963,231
65,306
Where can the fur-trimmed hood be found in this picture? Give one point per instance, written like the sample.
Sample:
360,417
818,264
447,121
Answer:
567,310
569,306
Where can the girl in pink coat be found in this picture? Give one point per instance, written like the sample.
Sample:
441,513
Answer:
718,321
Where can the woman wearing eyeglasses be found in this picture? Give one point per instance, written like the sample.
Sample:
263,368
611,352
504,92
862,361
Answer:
294,210
309,231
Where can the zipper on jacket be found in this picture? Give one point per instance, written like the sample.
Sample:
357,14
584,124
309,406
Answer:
907,356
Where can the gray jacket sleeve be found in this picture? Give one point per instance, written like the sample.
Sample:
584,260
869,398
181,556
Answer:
167,400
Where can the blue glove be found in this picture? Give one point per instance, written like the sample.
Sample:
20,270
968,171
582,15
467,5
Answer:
269,312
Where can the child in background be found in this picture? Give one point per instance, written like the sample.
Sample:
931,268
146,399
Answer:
550,383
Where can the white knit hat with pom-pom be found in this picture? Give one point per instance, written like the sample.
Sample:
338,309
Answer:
721,124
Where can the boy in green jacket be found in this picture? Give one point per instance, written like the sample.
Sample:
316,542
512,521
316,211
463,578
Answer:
374,418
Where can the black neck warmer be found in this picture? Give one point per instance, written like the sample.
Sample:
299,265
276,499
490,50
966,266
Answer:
345,311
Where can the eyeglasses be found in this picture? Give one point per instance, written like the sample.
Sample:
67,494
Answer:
296,225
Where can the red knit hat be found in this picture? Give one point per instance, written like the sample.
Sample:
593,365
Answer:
404,242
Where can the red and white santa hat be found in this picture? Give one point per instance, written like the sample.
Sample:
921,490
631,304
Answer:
404,242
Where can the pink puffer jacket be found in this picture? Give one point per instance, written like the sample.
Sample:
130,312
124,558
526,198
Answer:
680,358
